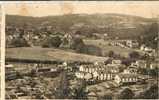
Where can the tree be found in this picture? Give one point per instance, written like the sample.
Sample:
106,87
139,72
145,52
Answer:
111,53
142,71
126,94
134,55
19,42
52,42
150,93
62,91
127,61
79,90
78,45
153,72
108,61
149,38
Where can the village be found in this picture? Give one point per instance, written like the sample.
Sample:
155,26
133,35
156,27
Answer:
31,79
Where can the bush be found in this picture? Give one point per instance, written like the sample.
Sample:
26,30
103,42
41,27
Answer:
149,36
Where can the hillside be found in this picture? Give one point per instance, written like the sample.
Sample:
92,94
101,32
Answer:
115,25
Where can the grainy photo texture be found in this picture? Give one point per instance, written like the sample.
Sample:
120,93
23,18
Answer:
82,50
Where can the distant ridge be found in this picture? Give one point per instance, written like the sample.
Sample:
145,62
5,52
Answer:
115,25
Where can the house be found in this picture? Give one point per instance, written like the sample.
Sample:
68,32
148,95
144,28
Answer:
10,72
126,78
114,43
116,61
86,68
98,63
141,63
154,65
64,64
92,95
115,68
146,49
47,71
102,75
112,68
130,70
83,75
133,64
132,43
90,68
106,37
142,47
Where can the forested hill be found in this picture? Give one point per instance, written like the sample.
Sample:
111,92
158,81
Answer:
115,25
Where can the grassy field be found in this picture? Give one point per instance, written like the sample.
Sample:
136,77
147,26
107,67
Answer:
38,53
106,48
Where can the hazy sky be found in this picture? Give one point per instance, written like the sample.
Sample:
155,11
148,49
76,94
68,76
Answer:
144,9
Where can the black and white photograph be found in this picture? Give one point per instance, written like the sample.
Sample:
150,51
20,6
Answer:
82,50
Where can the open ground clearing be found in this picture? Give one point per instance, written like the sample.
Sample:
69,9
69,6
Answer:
51,54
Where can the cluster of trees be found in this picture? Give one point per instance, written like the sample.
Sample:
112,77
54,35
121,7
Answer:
113,54
63,90
19,42
76,43
147,71
150,36
149,93
52,42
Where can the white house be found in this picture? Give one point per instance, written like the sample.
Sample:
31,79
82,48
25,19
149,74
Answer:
98,72
102,75
146,49
130,70
141,63
142,47
83,75
87,68
132,43
126,78
90,68
154,65
116,61
114,68
98,63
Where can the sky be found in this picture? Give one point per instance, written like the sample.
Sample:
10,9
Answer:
143,9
